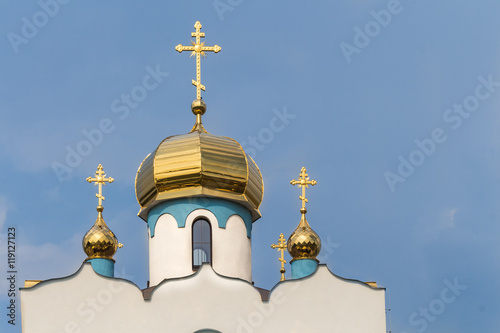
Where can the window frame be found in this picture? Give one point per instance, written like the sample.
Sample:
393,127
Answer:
201,219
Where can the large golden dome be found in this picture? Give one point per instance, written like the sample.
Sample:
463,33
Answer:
199,164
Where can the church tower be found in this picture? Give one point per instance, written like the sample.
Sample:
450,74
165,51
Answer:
199,195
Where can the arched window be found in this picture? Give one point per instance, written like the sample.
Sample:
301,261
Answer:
202,243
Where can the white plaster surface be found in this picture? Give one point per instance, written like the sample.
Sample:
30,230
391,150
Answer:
232,250
88,302
170,249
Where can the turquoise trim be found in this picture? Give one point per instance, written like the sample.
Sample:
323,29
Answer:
303,267
181,208
103,266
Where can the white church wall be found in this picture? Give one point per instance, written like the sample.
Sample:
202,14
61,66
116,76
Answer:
84,302
204,301
87,302
340,305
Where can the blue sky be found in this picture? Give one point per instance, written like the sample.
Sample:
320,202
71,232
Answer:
392,107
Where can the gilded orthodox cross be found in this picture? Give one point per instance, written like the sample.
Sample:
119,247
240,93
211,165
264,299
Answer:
198,49
303,182
100,179
281,246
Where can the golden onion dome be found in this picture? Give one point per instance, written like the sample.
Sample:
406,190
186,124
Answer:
304,243
100,241
199,164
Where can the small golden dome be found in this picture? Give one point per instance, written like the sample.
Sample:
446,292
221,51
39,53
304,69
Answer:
100,241
199,164
304,243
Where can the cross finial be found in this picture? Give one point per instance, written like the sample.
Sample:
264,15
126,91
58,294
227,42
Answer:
100,179
198,49
303,182
281,246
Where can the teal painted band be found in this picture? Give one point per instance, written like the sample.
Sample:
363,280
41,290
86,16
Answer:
103,266
181,208
303,267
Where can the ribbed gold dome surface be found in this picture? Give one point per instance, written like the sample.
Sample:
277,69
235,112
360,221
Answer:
195,164
304,243
100,241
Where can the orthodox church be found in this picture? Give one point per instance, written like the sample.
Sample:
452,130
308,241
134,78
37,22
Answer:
199,195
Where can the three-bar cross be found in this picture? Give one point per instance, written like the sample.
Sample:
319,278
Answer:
198,48
303,182
100,179
281,246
